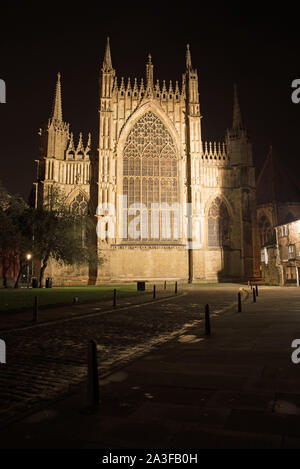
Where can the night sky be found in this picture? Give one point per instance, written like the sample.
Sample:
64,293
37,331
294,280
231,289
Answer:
257,49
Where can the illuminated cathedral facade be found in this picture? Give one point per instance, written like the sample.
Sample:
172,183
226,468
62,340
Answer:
167,204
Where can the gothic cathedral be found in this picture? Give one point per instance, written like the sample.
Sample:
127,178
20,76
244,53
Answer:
167,204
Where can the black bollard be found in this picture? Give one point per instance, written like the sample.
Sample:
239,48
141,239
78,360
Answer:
35,309
165,285
93,378
256,290
207,320
154,291
239,302
176,288
115,298
254,295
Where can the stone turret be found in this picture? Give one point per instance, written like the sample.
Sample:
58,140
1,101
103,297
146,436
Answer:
58,130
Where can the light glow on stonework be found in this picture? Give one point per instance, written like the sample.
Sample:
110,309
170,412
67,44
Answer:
166,222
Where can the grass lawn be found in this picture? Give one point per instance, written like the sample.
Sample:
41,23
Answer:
11,299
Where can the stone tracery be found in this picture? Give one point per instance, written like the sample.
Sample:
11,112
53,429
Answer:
150,173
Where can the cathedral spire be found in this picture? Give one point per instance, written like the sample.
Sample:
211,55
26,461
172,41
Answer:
107,64
57,109
237,117
188,58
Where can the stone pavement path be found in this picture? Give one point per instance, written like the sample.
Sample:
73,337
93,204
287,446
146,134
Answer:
47,361
236,389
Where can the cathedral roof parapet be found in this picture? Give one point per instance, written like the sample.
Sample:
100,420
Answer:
157,87
122,87
140,91
81,151
128,89
135,86
214,152
142,88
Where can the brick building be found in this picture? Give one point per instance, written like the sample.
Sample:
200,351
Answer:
280,261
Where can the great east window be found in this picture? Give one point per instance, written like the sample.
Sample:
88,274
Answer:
150,176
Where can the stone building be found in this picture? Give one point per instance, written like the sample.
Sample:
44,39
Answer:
168,204
278,199
281,261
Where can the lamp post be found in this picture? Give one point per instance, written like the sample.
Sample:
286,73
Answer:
28,257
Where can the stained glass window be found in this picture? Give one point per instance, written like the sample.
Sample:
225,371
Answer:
150,173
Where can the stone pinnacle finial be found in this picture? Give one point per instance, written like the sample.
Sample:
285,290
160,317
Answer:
188,58
237,117
107,63
149,75
57,109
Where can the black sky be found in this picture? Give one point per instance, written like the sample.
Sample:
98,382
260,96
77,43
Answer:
258,49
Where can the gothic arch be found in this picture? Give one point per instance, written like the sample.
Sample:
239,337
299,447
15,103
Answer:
266,235
218,223
79,197
150,173
224,199
131,121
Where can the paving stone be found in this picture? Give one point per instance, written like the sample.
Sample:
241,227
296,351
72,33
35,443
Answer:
237,389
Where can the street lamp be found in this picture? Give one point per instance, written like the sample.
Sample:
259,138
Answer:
28,257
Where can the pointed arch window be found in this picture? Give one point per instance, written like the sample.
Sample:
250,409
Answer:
150,170
79,205
218,224
265,231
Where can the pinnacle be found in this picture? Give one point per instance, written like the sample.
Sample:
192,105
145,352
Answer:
57,109
237,117
188,58
107,63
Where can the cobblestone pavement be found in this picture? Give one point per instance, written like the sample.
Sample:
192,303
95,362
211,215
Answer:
47,361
